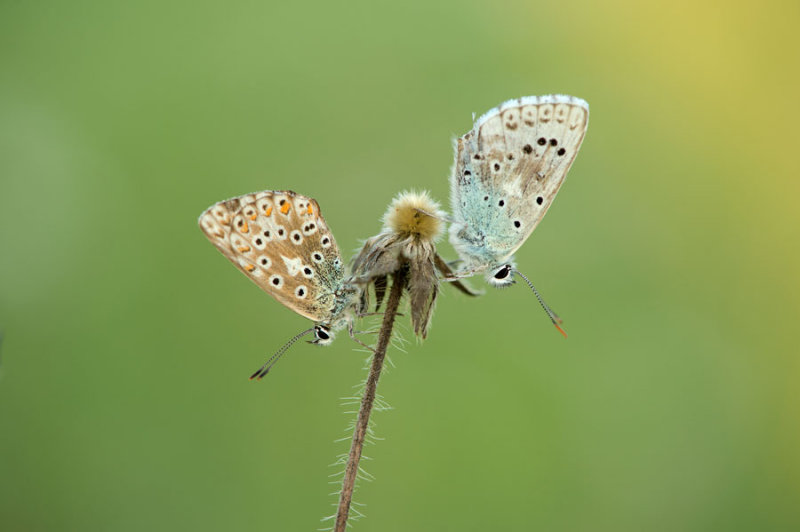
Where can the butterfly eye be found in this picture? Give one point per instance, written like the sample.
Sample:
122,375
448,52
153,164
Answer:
503,272
322,335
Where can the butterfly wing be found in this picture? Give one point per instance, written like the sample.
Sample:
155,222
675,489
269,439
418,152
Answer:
280,240
508,170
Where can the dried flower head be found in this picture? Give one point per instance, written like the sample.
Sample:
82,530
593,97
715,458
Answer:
412,224
414,215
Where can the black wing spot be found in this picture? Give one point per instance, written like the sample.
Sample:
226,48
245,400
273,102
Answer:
561,151
517,224
540,200
477,157
496,167
527,148
486,198
467,172
542,141
553,142
501,203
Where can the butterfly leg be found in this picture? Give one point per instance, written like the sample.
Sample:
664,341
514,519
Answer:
450,277
352,333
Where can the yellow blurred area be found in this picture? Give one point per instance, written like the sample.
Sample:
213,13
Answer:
671,252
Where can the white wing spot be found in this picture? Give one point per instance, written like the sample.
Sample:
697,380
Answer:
326,241
276,281
317,257
308,272
293,266
264,262
301,292
296,237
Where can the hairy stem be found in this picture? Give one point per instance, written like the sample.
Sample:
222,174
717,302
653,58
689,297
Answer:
385,334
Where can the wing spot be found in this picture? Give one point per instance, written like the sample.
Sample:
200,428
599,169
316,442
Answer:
517,224
276,281
542,141
527,148
486,198
496,167
301,292
553,142
316,256
265,262
510,156
477,157
281,233
249,268
467,173
326,242
539,200
561,151
297,237
501,203
308,272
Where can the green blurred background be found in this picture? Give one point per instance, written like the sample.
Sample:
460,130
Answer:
672,253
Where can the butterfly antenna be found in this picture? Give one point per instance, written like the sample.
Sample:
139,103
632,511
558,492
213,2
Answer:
263,370
553,316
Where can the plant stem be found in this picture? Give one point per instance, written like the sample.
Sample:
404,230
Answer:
367,401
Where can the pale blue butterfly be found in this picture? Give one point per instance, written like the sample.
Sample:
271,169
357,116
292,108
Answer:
508,169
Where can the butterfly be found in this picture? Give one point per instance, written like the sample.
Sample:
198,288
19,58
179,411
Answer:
508,169
280,240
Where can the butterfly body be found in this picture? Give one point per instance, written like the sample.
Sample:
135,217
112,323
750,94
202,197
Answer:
280,240
507,171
